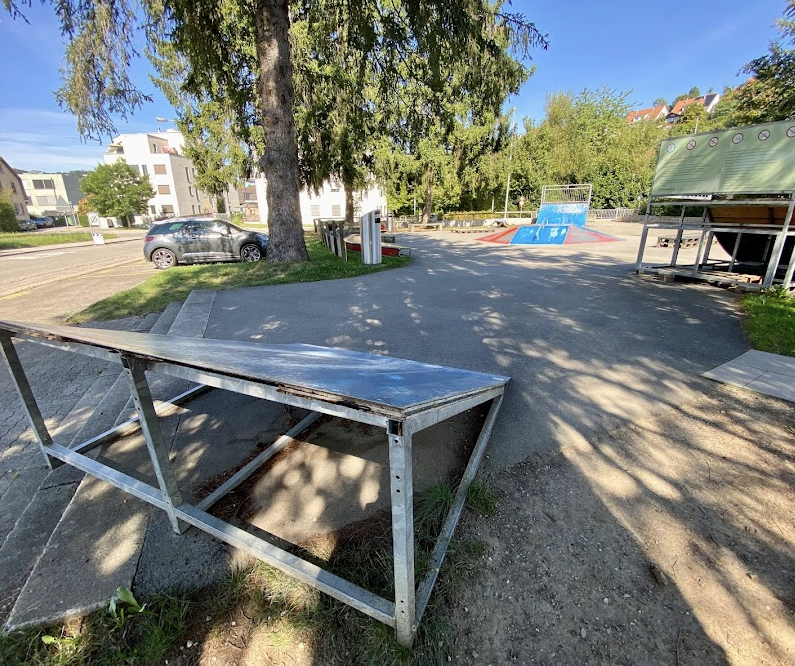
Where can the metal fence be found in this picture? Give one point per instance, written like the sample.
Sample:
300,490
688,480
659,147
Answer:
552,194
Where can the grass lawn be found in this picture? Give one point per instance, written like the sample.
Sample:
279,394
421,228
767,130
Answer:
176,283
261,611
22,239
770,323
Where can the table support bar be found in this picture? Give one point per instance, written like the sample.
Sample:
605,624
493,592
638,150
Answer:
244,473
446,534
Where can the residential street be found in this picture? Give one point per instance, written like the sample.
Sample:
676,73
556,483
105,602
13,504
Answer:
45,284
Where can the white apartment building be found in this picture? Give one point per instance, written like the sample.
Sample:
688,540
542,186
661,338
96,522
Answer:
329,202
159,155
12,187
52,194
173,176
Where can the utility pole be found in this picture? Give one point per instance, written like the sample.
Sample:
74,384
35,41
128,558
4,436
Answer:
510,161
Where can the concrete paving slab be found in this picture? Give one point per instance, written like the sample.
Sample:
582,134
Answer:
24,545
774,384
768,362
763,372
734,373
80,572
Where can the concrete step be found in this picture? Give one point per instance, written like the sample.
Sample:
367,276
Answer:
167,318
96,545
41,496
189,322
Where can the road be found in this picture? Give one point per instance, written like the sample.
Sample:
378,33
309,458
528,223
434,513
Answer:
47,284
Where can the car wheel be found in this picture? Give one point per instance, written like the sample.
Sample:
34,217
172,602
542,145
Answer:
163,258
250,252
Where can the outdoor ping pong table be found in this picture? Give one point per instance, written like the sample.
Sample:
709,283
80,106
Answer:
401,396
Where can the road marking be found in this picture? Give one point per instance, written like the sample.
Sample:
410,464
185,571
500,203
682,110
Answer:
41,255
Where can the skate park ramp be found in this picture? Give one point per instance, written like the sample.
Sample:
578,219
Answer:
548,234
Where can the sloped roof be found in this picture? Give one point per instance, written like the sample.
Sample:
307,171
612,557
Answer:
682,103
645,114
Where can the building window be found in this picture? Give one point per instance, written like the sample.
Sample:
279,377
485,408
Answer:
335,210
144,170
152,210
250,196
193,208
18,208
14,188
167,210
187,173
43,185
315,210
163,189
160,169
45,201
335,187
154,147
190,191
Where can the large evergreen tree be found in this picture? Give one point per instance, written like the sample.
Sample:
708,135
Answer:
240,53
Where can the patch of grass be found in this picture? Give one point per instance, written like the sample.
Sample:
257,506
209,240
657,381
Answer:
143,638
22,239
481,497
176,283
770,324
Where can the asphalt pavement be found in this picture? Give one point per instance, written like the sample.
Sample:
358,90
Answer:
589,345
48,283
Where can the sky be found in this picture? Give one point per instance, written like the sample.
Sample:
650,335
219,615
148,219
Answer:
647,49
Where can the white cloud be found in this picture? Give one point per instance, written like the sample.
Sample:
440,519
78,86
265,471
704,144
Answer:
45,140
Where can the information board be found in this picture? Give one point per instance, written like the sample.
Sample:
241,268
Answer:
757,159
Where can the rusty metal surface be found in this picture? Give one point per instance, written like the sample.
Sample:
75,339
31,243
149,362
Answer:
358,379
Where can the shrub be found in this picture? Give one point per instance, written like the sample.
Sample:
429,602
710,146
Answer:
8,217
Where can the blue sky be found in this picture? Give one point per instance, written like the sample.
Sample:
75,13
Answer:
649,48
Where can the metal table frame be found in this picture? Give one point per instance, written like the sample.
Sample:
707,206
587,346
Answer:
405,611
777,234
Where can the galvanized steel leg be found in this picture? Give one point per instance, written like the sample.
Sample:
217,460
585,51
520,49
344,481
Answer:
778,247
677,245
402,496
698,253
643,237
158,451
35,418
734,251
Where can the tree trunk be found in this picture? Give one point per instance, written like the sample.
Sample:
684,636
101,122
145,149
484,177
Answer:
348,204
426,207
279,163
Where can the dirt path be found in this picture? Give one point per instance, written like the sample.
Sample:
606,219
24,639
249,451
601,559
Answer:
705,493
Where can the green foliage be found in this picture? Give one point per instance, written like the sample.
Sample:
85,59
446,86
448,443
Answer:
770,321
660,101
585,139
117,190
145,637
769,93
8,217
694,117
10,241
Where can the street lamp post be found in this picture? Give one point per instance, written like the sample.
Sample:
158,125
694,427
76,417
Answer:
510,161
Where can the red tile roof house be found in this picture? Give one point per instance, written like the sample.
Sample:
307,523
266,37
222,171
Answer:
653,113
707,101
